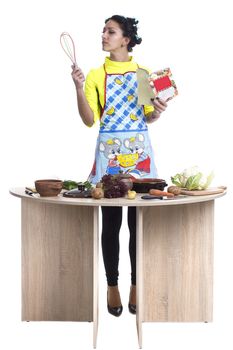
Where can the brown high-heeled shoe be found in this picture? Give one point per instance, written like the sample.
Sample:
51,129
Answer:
114,305
132,300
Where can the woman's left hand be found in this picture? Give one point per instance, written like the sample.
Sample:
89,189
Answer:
159,107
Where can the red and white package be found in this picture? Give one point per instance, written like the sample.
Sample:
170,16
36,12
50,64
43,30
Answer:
162,84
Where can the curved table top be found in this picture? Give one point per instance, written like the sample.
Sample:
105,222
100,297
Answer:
117,202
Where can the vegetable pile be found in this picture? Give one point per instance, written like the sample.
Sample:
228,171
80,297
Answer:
192,179
113,186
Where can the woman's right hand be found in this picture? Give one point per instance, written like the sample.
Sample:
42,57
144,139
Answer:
78,77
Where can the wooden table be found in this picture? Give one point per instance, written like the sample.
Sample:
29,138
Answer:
60,258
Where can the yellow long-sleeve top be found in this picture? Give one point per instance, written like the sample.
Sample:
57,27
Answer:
95,80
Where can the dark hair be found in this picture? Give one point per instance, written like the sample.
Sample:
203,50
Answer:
129,27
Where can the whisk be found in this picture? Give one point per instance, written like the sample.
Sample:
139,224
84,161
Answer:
68,46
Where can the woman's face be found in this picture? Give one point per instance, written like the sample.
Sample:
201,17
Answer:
112,37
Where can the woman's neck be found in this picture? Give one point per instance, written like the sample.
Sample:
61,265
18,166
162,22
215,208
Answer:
120,56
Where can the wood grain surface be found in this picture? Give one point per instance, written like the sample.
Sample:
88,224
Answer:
57,262
178,263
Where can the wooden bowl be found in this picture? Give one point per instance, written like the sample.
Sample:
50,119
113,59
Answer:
48,188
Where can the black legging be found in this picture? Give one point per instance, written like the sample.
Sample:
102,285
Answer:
111,224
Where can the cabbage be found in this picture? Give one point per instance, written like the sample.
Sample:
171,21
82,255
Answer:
192,179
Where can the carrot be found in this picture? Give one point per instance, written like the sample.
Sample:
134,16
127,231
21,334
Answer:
161,193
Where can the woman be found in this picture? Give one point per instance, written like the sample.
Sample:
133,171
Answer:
111,97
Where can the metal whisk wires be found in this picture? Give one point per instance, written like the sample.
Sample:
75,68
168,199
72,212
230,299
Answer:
68,46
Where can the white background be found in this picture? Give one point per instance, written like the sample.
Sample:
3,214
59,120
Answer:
42,136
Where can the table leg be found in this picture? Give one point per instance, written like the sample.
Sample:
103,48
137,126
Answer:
139,272
95,274
59,263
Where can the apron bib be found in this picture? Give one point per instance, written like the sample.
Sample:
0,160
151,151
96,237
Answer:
123,143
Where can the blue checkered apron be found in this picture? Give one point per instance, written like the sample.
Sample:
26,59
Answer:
123,143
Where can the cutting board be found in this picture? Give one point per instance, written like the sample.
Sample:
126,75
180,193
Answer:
145,93
213,190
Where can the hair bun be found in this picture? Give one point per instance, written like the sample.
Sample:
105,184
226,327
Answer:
133,21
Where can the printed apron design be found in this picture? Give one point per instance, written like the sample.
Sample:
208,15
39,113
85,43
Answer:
123,143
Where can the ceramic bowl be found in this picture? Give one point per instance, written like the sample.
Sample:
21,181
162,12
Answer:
48,187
